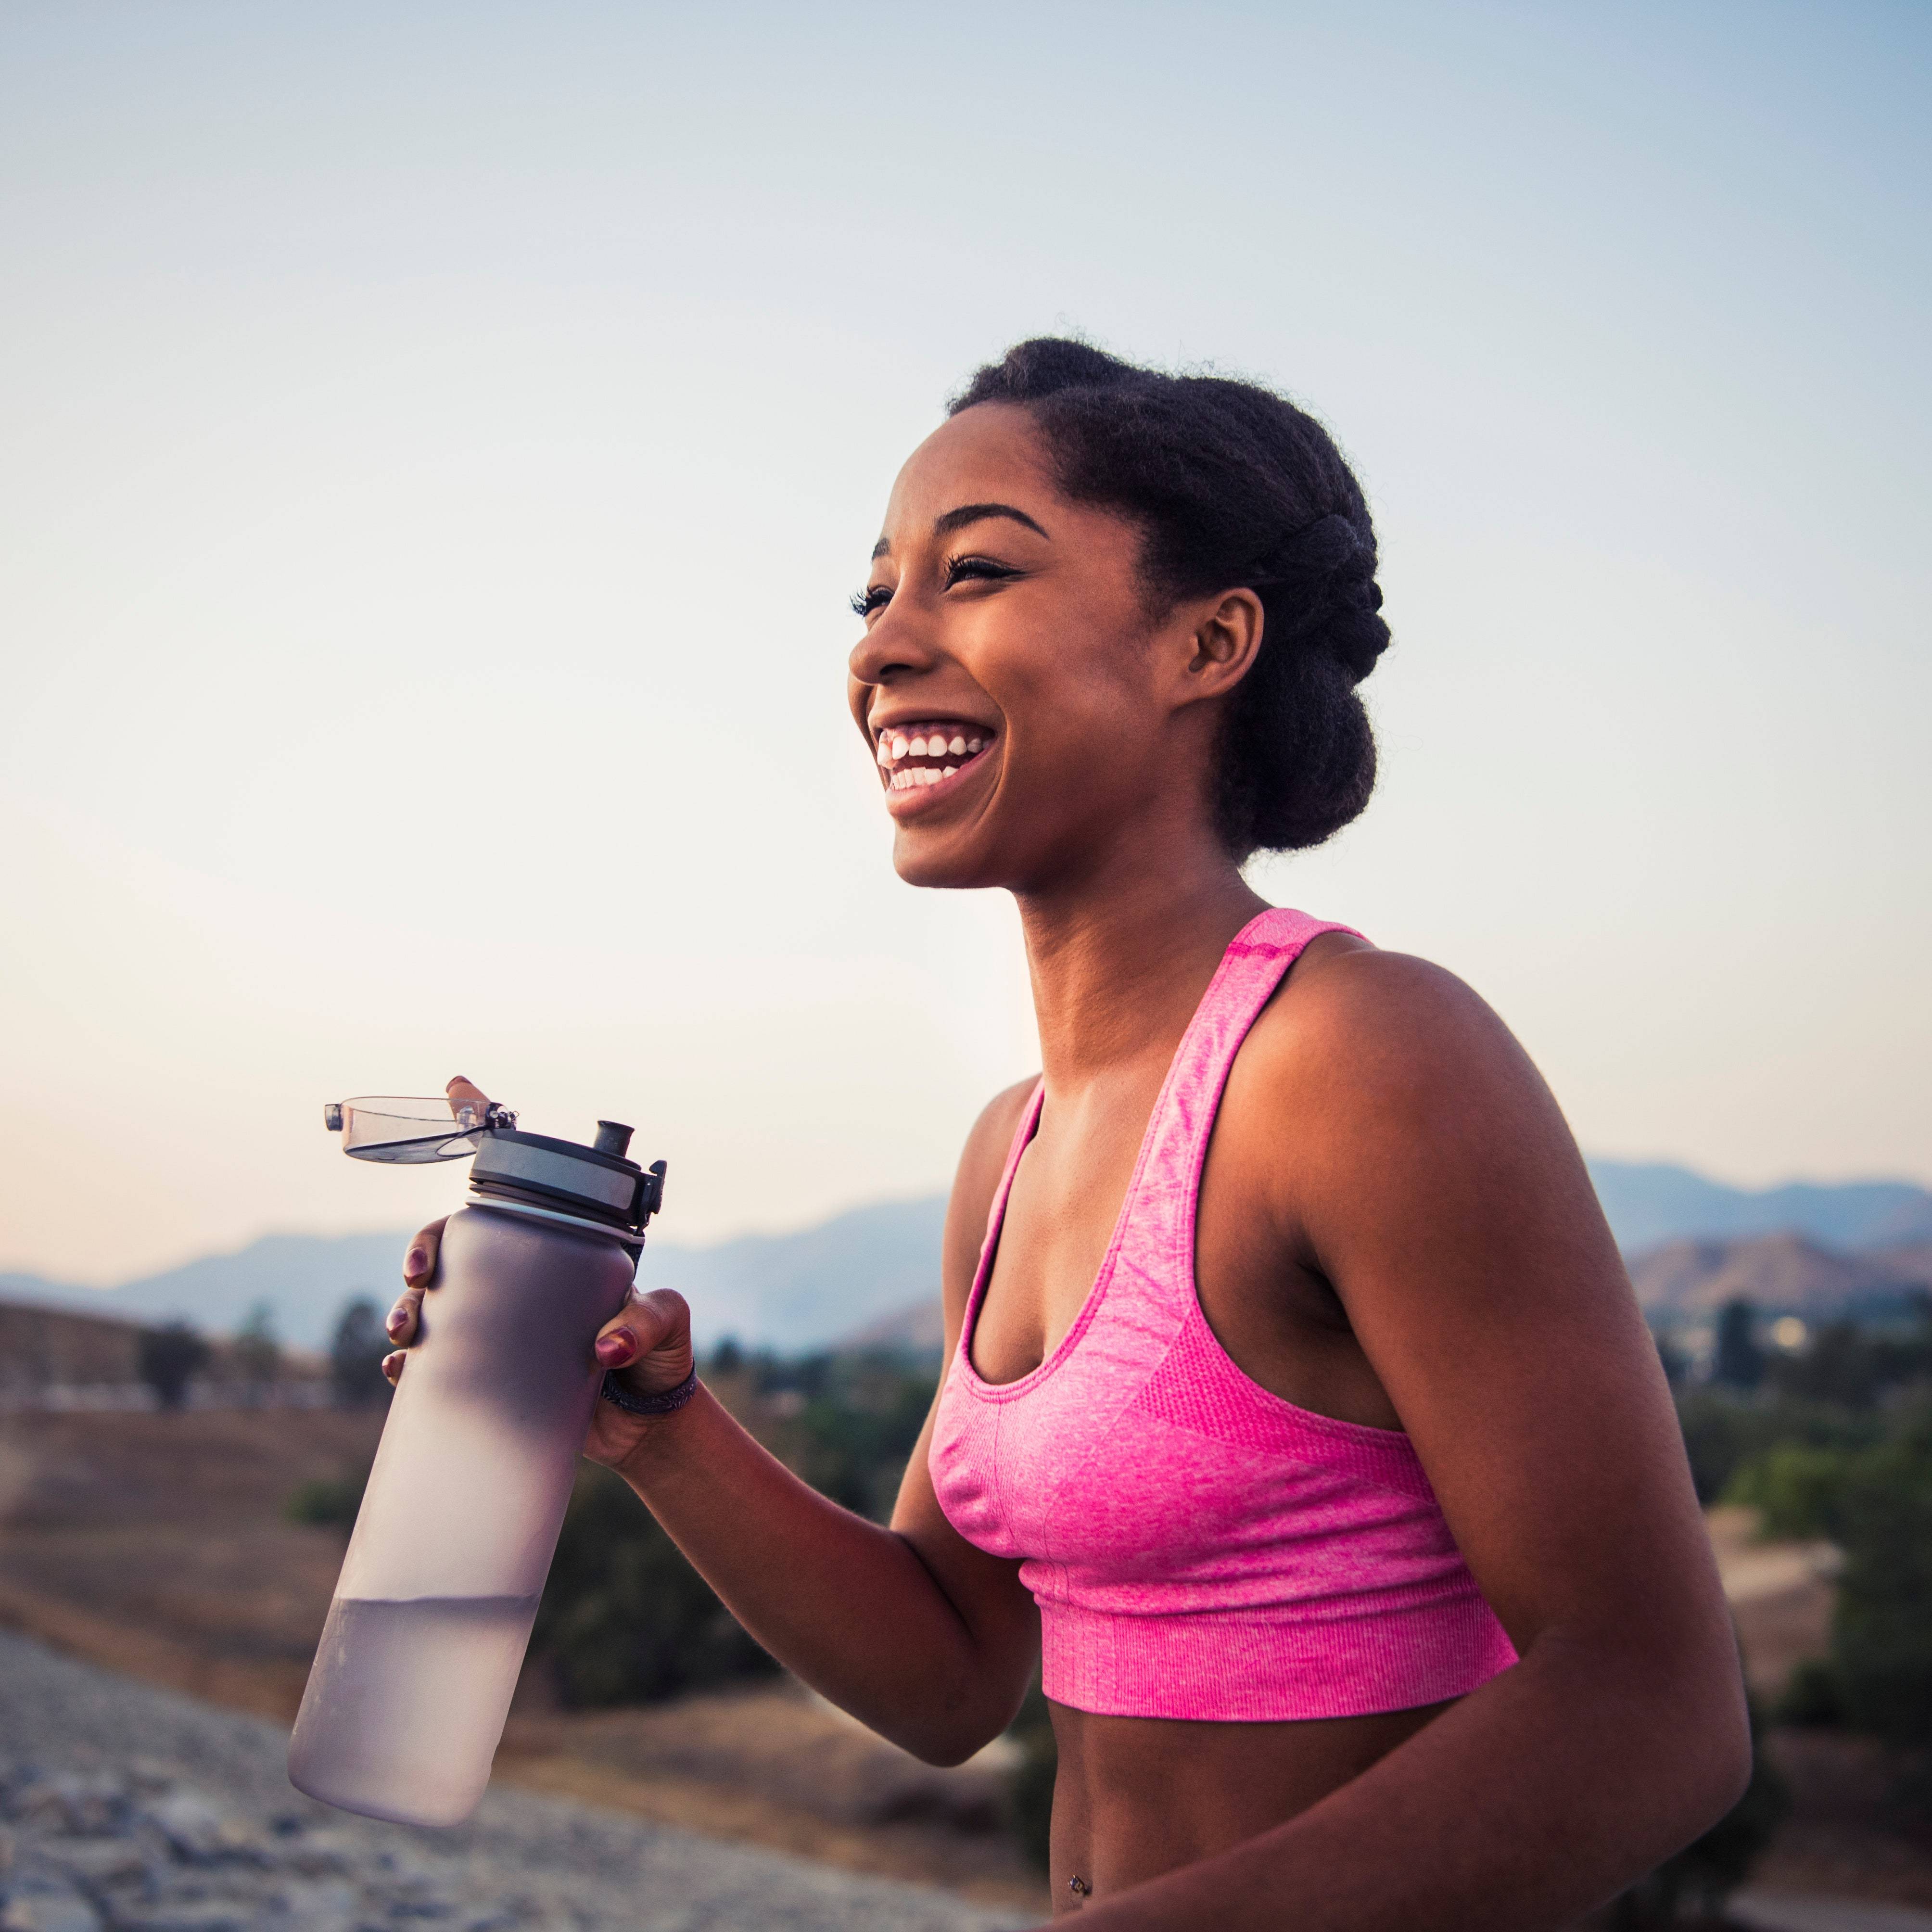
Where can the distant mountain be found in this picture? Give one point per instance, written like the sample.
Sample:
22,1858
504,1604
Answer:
917,1329
304,1278
1783,1273
791,1292
1647,1204
816,1287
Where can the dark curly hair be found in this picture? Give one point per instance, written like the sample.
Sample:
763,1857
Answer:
1232,486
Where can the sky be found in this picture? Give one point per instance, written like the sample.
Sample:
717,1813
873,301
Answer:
438,442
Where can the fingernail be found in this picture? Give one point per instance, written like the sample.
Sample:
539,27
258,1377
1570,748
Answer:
615,1348
415,1261
396,1318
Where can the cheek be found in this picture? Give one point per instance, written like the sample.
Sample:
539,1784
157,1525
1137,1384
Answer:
1061,658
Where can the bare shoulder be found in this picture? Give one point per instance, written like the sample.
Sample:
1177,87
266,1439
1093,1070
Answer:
976,1181
1383,1099
1381,1025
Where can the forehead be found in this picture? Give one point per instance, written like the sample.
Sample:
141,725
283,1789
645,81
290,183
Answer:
989,454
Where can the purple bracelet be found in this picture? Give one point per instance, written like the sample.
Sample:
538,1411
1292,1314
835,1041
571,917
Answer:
665,1404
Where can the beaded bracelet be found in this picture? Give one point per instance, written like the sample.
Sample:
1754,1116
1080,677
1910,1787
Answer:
665,1404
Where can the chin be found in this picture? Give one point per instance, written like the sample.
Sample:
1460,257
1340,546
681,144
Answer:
941,864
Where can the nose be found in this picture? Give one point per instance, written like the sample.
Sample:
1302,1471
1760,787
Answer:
897,644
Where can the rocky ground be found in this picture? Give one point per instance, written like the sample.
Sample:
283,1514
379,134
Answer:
128,1809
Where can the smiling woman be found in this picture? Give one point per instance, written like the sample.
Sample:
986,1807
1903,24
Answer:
1300,1424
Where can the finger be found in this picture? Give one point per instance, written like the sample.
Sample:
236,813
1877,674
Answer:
393,1366
419,1264
405,1318
463,1093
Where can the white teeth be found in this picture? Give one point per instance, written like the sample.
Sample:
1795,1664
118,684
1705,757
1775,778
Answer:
958,745
898,748
885,752
948,771
919,748
973,744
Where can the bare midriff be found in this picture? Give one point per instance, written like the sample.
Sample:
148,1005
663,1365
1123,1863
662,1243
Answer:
1137,1797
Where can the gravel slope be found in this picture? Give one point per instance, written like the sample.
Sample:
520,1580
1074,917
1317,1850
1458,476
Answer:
130,1808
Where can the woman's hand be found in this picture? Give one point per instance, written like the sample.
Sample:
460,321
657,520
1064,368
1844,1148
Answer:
648,1341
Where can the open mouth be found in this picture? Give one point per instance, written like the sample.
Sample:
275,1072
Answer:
914,758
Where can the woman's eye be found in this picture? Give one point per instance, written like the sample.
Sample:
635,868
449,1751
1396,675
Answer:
960,568
865,602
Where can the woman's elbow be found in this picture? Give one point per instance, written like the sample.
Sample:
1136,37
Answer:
1736,1751
951,1739
1712,1749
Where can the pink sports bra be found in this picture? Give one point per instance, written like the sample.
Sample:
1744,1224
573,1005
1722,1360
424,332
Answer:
1198,1546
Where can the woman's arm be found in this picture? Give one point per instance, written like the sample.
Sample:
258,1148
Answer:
928,1640
1434,1183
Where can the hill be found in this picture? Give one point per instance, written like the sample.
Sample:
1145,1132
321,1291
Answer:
790,1292
816,1286
1647,1204
1783,1273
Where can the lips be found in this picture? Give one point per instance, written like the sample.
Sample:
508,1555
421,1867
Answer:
915,757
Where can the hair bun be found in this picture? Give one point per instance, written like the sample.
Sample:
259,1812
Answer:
1330,567
1316,549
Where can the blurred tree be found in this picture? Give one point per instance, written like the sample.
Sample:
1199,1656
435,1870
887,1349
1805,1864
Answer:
727,1358
168,1358
1722,1431
355,1355
1875,1501
1854,1365
1882,1631
1675,1364
1739,1361
257,1351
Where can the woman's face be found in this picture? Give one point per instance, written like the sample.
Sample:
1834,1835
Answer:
1019,697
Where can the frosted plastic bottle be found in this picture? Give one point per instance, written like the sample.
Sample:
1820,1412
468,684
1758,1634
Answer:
412,1679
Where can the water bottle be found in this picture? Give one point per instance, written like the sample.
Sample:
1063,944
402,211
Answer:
412,1679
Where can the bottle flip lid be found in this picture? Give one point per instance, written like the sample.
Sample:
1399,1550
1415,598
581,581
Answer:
399,1131
597,1182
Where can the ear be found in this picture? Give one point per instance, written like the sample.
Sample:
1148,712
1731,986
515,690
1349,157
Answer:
1222,636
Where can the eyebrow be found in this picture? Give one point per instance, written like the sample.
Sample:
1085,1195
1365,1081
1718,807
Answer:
968,513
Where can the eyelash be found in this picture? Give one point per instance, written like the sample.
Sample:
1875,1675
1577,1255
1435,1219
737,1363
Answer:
958,568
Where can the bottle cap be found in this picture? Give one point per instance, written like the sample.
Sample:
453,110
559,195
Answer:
598,1183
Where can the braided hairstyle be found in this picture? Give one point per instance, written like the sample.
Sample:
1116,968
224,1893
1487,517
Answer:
1232,488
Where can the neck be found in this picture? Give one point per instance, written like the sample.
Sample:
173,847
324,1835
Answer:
1120,958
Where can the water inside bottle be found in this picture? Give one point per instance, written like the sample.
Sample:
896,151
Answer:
406,1703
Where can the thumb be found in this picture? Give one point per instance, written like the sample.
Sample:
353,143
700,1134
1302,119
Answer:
658,1325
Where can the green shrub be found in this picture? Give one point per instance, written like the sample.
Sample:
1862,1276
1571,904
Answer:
331,1501
624,1618
1795,1488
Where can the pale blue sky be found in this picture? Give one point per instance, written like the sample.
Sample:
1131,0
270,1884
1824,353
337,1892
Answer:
439,441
